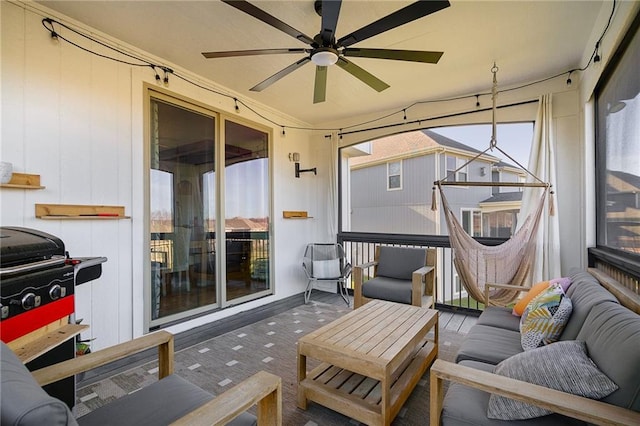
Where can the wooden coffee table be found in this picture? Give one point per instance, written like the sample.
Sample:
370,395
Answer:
372,358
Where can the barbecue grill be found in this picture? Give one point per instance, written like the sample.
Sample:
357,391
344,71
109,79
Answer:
37,280
37,283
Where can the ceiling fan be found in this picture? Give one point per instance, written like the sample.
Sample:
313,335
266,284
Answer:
324,50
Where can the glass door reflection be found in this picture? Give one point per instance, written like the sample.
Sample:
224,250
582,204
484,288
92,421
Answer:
182,217
246,211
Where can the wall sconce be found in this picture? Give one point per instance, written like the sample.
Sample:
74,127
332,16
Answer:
294,156
483,171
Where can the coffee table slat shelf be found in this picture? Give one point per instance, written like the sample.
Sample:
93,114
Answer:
372,358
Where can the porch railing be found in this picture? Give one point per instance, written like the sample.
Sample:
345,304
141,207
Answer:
360,248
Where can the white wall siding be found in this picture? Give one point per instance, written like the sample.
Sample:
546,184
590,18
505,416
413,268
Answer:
77,120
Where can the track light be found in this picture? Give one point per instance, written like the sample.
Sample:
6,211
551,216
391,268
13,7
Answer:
283,132
404,112
477,101
569,79
237,107
596,57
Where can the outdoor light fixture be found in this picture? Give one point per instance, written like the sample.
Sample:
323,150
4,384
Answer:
294,156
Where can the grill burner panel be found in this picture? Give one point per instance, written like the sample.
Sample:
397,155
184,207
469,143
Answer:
22,293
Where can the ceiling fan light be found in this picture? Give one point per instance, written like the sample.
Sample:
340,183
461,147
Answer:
324,58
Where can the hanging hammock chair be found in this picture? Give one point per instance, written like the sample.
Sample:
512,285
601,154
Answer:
507,263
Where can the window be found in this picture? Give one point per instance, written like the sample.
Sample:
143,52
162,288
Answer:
472,222
453,163
394,175
618,150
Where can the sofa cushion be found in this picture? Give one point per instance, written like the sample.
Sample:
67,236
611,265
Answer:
544,318
164,402
400,262
500,317
489,344
585,293
390,289
563,366
466,406
22,400
612,335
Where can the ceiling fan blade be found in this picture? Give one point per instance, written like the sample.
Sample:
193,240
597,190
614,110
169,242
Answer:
231,53
320,86
407,14
364,76
263,16
330,13
277,76
397,55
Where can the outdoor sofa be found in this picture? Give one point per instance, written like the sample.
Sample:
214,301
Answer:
610,332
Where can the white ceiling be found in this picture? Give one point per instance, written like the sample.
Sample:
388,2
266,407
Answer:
529,40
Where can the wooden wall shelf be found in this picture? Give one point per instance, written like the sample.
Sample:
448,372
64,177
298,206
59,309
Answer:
23,181
287,214
76,211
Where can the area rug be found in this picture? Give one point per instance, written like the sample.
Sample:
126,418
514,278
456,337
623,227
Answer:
219,363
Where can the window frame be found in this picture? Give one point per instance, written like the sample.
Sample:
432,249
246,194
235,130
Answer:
474,213
623,259
459,163
389,175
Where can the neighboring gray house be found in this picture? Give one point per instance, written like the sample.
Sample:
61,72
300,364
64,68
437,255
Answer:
391,187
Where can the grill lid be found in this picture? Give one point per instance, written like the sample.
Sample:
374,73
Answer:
23,245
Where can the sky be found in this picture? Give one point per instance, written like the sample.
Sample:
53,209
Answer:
514,139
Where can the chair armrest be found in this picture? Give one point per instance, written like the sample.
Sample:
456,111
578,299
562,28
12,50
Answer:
487,286
507,286
263,389
578,407
358,278
417,282
163,340
366,265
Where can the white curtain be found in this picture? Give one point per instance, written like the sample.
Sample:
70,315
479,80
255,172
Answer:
542,163
332,188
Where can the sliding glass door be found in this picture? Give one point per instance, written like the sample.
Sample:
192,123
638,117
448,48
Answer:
193,270
246,210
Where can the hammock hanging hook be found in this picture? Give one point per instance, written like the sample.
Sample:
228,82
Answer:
494,96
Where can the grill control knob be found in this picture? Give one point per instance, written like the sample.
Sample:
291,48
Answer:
55,292
29,301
